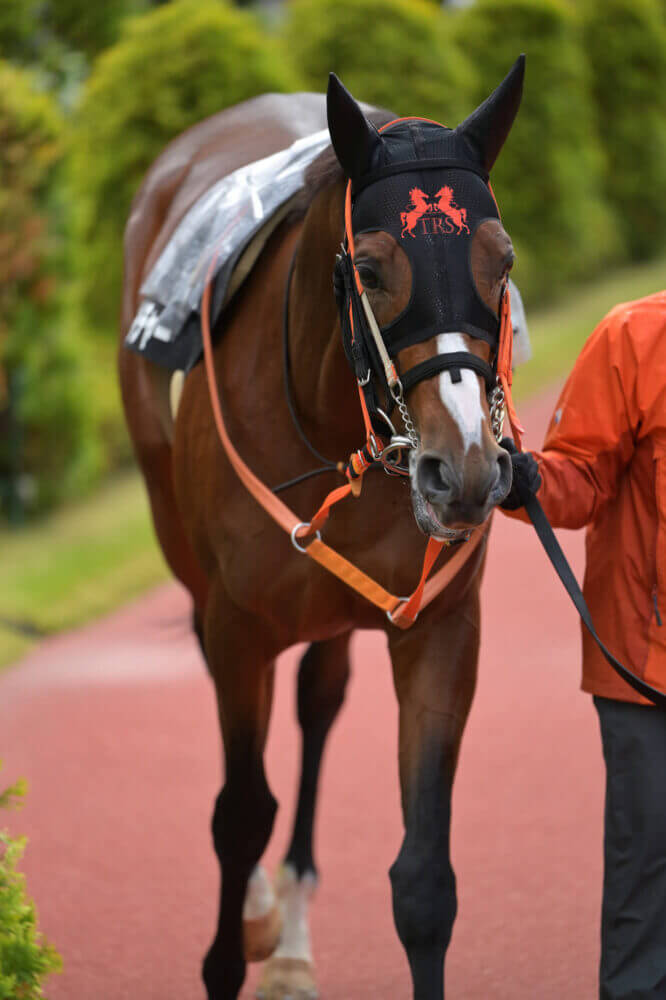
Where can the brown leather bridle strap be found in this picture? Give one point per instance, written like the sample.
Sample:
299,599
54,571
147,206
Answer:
401,611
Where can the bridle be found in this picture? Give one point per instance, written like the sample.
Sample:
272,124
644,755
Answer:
370,358
390,454
361,324
380,448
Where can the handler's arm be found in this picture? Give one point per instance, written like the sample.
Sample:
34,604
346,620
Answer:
591,436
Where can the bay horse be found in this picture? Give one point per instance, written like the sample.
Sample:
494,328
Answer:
253,595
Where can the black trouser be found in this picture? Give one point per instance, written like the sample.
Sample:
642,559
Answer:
633,916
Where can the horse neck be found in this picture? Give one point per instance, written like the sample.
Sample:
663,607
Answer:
323,384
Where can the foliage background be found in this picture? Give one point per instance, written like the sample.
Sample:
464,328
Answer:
417,63
624,41
91,93
548,179
202,57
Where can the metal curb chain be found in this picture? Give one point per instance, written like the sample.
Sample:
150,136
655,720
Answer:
497,411
412,434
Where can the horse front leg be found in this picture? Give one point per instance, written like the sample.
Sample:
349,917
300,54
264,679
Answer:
240,657
434,668
322,680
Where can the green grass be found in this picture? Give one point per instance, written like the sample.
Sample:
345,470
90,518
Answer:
559,332
77,564
93,556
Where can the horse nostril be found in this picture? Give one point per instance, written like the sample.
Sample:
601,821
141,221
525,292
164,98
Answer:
504,476
435,479
493,480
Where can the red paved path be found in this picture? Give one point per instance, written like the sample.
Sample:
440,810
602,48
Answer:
115,728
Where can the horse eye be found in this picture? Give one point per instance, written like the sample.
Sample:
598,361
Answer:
368,276
508,263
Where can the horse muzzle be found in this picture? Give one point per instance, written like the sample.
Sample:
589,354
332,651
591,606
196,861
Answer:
450,495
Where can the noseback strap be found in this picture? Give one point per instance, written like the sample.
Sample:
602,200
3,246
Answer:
452,362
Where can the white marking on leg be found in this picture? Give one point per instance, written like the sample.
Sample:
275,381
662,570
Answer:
462,399
294,895
260,896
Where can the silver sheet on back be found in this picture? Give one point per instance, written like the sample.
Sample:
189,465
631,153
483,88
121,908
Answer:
223,222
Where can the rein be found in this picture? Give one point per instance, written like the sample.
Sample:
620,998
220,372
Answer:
560,564
327,464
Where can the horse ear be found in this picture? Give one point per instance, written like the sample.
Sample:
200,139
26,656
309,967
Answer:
486,128
354,138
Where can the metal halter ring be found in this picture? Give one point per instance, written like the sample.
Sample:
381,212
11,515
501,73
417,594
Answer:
294,540
373,447
402,600
388,421
397,444
396,390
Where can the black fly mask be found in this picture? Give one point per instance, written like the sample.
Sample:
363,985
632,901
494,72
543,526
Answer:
427,186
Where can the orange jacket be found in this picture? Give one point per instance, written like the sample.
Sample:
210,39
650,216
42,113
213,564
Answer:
603,465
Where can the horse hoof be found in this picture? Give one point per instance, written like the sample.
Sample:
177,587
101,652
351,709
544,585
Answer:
262,935
287,979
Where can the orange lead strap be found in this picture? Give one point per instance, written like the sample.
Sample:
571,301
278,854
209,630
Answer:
407,613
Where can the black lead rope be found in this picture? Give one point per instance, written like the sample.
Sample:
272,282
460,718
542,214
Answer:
563,569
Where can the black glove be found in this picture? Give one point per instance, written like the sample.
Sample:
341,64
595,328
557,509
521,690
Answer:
526,476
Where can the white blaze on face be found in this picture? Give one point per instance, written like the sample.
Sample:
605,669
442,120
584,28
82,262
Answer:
462,399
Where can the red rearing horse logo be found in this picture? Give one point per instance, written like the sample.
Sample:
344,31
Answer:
441,215
419,207
454,216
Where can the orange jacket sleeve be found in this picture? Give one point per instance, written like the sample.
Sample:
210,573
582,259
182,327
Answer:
591,435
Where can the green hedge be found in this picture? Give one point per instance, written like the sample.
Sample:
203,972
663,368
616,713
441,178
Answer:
84,26
172,67
16,27
25,958
625,41
549,177
49,33
396,54
52,453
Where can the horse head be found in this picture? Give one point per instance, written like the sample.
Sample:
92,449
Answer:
439,293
